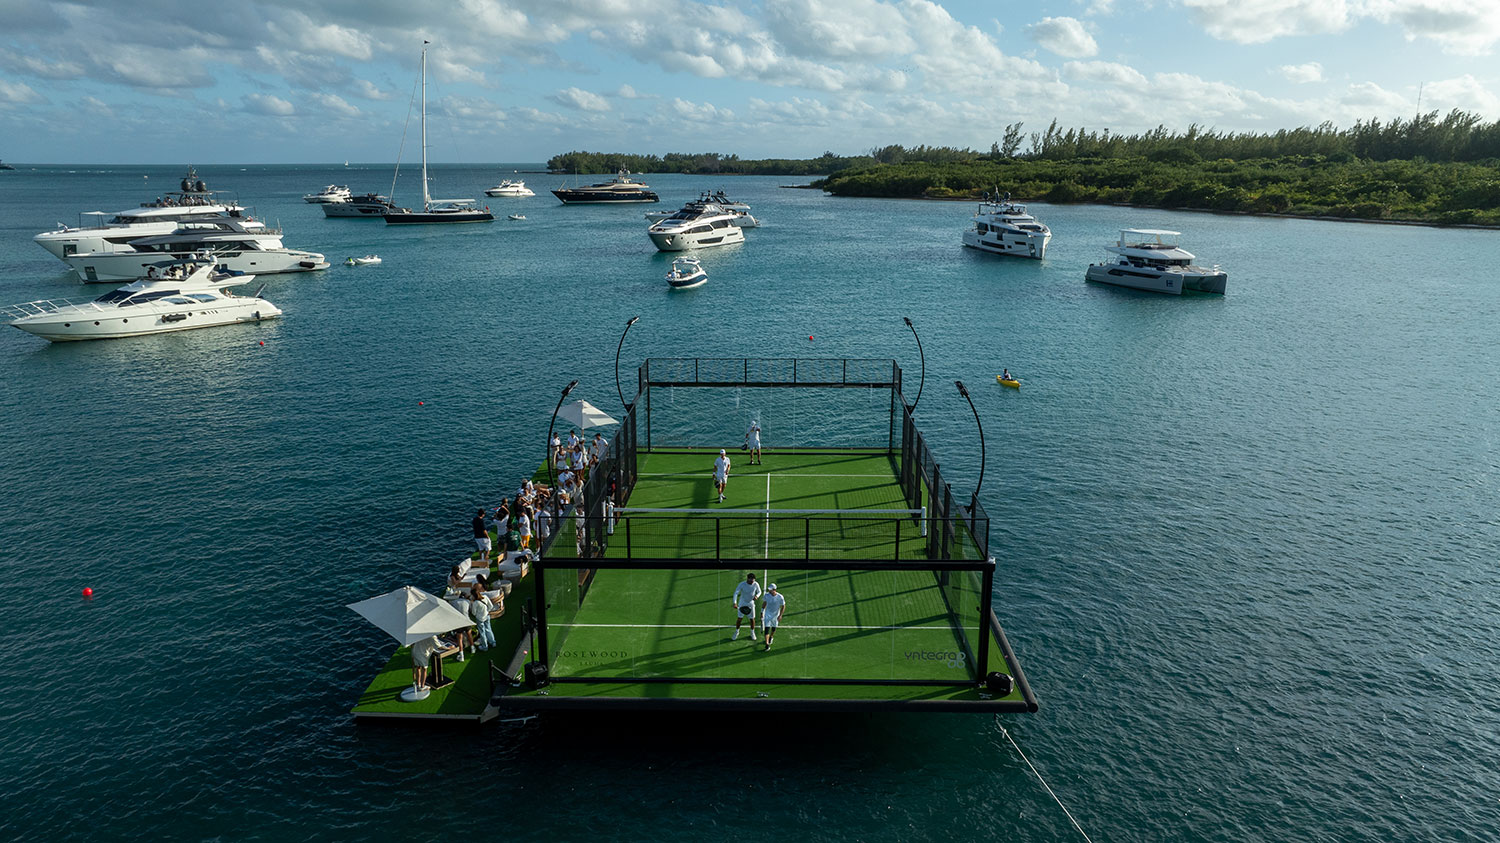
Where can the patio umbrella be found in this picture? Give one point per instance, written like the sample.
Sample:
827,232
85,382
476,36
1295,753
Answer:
411,614
582,415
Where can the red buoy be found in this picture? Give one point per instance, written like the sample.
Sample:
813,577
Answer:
262,342
88,592
809,338
421,403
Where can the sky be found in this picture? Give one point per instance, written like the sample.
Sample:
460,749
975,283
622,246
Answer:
275,81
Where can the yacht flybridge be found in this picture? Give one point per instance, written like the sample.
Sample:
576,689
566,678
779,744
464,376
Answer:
115,232
229,244
1004,228
436,210
1150,259
177,296
622,189
698,225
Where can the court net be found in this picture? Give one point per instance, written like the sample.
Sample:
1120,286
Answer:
750,534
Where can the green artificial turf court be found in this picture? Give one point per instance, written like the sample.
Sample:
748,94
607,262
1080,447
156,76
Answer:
858,625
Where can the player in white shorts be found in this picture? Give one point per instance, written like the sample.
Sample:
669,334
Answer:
721,473
752,441
770,613
744,597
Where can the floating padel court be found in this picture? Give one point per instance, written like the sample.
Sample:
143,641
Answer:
888,575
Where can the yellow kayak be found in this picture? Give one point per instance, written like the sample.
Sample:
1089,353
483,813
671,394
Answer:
1013,383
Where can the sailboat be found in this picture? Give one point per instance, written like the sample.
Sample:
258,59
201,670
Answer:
436,210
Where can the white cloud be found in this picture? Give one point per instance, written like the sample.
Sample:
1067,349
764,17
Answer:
700,112
1063,36
267,104
335,106
1465,93
579,99
626,92
1301,73
1461,27
1259,21
323,39
370,91
34,66
838,29
1107,72
1373,100
18,92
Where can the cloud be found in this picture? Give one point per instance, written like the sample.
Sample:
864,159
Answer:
18,93
334,105
626,92
1107,72
1259,21
1461,27
579,99
1465,93
838,29
1371,99
1063,36
33,66
309,36
370,91
1301,73
267,104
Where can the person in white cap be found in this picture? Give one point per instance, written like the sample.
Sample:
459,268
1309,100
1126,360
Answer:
721,474
752,442
770,613
744,597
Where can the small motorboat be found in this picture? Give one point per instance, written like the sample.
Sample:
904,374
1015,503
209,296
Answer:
367,260
1013,383
517,216
686,272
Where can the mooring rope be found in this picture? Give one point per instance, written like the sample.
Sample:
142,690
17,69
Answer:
1039,778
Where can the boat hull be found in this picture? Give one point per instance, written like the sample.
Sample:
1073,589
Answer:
1034,246
683,241
1010,382
586,197
439,217
71,328
1170,283
689,282
354,210
102,268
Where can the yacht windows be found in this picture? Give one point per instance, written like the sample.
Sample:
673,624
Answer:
721,223
202,296
700,229
178,300
147,296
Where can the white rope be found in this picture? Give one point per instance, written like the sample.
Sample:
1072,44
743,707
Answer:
1039,778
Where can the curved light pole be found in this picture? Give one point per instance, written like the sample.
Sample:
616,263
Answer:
632,321
567,389
962,390
923,381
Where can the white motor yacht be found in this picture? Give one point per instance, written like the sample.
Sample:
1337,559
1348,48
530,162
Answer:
229,244
365,206
1004,228
718,198
510,188
177,296
331,193
115,232
1150,259
686,273
698,225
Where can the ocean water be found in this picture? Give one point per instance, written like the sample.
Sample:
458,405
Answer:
1247,543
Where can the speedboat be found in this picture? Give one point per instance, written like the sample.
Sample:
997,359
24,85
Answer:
621,189
518,216
1004,228
686,272
195,202
698,225
175,296
1150,259
367,260
228,243
510,188
439,211
331,193
365,206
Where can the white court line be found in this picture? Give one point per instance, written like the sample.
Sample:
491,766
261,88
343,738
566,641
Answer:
768,474
765,573
726,626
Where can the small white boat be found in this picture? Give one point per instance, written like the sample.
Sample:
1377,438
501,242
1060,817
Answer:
331,193
510,188
367,260
686,273
517,216
176,296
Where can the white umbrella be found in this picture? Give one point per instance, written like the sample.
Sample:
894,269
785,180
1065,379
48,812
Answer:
411,614
582,415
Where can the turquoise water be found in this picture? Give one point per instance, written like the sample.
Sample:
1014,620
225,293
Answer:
1247,543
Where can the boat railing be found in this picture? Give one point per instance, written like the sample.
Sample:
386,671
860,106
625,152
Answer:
40,307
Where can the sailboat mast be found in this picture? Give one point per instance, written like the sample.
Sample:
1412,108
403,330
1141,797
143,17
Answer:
426,197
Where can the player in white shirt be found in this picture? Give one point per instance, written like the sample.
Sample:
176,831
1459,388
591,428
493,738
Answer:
752,441
721,473
744,597
770,613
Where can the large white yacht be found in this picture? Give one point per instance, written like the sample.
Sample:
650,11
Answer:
229,244
1004,228
177,296
331,193
698,225
115,232
515,189
1150,259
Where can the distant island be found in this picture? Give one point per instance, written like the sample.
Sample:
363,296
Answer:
1427,169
